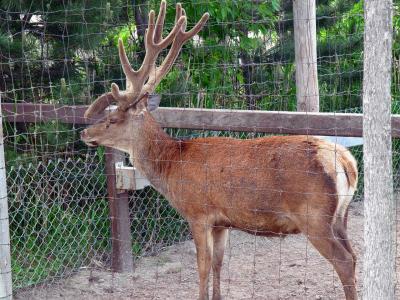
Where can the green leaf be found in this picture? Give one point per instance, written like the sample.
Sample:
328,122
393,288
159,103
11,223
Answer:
276,5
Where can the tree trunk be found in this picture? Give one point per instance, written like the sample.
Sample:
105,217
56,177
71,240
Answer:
141,20
305,39
247,70
379,276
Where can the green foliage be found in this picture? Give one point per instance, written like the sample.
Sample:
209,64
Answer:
69,238
340,75
58,218
42,42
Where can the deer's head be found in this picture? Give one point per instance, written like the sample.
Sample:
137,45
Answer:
118,128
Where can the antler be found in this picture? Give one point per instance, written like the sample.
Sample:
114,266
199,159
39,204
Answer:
148,72
181,37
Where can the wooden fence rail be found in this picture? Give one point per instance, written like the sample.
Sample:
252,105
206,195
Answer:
332,124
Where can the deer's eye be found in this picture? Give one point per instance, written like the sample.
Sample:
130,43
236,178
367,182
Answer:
112,121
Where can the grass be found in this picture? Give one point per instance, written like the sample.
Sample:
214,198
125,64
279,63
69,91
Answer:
73,237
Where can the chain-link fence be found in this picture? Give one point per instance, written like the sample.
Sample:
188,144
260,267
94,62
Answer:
65,53
58,218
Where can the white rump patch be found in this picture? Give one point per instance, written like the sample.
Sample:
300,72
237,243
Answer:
328,155
344,190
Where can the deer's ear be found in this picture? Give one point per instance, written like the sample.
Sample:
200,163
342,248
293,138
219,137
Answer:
153,102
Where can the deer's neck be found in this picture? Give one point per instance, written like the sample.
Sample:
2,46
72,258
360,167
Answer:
153,151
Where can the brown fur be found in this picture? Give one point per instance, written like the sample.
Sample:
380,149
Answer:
268,186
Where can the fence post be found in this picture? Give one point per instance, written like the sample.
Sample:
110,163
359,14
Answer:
305,42
379,277
121,239
5,256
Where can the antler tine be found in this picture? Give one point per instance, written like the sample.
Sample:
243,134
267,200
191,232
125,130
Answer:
160,22
126,66
195,30
183,11
99,105
149,39
182,36
116,93
170,37
178,13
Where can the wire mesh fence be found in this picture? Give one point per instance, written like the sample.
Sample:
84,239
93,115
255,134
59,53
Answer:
65,53
59,216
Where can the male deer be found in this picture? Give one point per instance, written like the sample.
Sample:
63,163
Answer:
266,186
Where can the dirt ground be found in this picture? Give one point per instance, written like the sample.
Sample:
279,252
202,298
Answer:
254,268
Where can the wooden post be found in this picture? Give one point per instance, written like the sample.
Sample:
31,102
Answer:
5,256
305,40
379,276
122,260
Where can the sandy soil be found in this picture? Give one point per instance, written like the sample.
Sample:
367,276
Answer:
254,268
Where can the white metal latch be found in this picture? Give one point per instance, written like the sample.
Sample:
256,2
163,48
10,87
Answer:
129,178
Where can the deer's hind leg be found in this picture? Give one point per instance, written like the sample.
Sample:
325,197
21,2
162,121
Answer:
323,236
340,232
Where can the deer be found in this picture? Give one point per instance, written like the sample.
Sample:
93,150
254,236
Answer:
269,186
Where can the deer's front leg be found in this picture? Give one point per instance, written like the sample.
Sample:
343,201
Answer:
220,236
203,240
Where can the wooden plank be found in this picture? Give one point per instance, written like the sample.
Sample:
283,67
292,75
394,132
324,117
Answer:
5,256
333,124
32,113
262,121
121,238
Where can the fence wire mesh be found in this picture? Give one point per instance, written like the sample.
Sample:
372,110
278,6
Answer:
65,53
